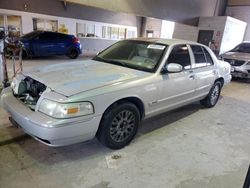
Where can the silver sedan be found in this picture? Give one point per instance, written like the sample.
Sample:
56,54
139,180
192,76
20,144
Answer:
109,95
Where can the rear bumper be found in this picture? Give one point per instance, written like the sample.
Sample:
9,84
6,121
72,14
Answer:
227,79
50,131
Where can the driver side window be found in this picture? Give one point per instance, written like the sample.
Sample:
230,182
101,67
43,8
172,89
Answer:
180,55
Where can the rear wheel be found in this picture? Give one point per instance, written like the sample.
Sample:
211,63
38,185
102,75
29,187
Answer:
213,95
73,54
119,125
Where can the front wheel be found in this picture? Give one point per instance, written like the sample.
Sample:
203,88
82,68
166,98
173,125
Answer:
213,95
119,125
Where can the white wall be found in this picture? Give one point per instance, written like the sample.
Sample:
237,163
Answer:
154,25
186,32
167,29
241,13
233,34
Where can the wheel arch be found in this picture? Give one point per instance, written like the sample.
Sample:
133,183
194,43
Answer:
221,80
134,100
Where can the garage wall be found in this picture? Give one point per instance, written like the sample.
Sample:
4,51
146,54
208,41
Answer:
183,11
151,24
241,13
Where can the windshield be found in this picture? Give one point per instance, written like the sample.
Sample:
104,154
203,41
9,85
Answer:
30,35
242,48
138,55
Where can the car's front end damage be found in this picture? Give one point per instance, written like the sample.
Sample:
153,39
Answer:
240,63
62,107
31,106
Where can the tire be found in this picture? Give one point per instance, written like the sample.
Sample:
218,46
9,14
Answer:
73,54
119,125
213,95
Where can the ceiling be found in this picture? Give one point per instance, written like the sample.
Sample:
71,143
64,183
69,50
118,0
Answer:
123,4
177,10
238,2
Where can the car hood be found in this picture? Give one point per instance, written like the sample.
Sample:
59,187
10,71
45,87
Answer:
73,78
237,55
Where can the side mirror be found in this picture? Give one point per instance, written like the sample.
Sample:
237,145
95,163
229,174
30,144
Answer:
173,68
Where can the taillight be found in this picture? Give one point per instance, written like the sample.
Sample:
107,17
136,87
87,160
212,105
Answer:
76,40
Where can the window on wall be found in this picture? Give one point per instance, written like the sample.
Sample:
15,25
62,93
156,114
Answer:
12,24
45,25
1,21
98,31
131,33
85,30
114,33
80,29
122,33
90,30
104,31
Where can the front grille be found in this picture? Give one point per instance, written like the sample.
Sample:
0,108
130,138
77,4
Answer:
234,62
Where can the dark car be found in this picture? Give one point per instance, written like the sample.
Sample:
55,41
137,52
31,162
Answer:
46,43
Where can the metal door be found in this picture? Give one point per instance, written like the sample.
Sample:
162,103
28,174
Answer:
205,36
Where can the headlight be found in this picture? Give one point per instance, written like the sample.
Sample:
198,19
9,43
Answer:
65,110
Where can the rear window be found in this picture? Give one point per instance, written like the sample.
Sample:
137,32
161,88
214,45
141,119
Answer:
201,56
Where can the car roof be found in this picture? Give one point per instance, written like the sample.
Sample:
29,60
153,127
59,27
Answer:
166,41
40,31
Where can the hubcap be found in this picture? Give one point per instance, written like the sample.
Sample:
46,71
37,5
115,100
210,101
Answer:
122,126
215,94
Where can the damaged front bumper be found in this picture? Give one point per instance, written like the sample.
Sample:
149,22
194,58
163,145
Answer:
241,71
48,130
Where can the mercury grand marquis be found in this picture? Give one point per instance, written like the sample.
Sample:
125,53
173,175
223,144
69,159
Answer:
109,95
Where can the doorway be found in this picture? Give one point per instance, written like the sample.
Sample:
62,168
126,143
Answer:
205,37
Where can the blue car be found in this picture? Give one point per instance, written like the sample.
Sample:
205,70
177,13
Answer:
46,43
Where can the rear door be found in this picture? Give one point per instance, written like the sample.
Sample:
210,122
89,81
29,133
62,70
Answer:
203,69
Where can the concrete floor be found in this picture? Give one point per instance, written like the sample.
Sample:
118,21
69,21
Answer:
191,147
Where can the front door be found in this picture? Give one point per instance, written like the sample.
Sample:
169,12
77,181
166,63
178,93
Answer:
177,88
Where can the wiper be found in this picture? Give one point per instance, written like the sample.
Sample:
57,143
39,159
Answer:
110,61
